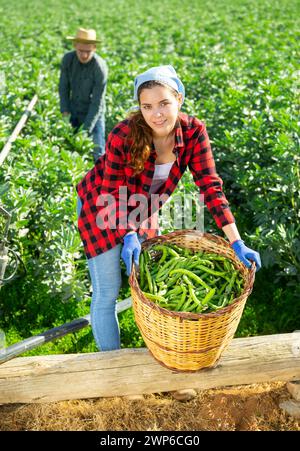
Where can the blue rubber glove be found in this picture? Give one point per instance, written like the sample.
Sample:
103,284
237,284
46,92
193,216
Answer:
131,248
245,254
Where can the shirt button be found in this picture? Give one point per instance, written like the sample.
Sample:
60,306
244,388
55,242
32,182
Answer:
146,187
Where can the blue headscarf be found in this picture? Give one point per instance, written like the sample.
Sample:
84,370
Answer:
165,74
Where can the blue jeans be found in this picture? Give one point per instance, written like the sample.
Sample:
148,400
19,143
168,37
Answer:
97,134
105,273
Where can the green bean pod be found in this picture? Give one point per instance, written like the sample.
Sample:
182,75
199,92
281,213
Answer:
191,275
182,299
173,280
155,297
208,297
175,290
230,285
164,268
149,278
212,271
142,270
194,297
164,249
173,252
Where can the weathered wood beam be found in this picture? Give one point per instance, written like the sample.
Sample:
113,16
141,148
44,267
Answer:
134,371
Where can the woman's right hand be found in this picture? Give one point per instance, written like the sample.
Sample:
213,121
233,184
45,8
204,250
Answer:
131,248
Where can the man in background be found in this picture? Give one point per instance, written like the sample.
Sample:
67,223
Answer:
82,88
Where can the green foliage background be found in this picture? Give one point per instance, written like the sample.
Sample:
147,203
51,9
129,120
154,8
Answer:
238,61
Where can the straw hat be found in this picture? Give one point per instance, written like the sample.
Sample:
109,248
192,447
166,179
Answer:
84,36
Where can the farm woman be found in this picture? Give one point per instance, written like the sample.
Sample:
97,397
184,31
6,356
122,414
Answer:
147,153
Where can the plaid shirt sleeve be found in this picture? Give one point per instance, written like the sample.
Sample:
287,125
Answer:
114,183
102,222
203,169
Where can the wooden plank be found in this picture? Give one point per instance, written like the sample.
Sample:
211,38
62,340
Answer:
134,371
53,334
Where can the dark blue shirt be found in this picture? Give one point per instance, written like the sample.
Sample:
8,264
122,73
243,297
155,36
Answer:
82,88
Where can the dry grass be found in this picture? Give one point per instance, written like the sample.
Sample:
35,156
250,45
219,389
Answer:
252,407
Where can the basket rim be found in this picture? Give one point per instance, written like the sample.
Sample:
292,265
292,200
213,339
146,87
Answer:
249,280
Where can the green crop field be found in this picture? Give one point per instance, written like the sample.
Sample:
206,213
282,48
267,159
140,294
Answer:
239,61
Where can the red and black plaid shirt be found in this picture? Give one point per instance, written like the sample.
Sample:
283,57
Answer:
112,171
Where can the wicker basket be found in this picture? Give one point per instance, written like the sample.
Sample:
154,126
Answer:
188,341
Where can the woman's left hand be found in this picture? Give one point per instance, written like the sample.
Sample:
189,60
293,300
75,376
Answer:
245,254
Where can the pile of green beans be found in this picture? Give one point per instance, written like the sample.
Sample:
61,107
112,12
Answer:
182,280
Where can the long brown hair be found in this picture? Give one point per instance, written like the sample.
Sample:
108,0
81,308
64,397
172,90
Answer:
140,135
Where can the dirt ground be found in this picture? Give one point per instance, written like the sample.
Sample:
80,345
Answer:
242,408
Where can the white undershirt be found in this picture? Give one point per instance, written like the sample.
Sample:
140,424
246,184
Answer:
161,173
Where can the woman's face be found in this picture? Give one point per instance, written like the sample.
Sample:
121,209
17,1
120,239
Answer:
160,108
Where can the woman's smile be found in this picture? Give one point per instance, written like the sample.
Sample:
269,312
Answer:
160,123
